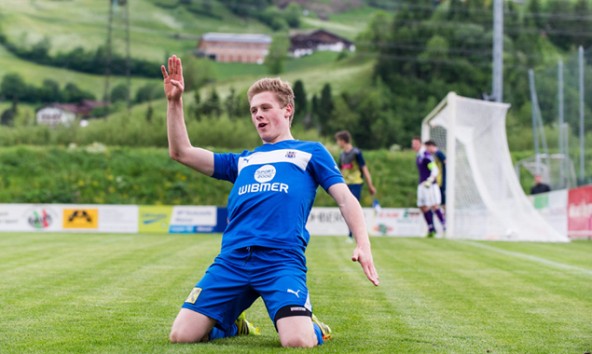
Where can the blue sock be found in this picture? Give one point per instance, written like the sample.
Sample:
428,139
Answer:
218,333
319,333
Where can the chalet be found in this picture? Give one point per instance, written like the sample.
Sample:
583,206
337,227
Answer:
66,113
54,116
233,47
319,40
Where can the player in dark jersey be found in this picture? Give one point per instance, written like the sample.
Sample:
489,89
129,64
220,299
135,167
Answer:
440,160
262,253
428,193
353,166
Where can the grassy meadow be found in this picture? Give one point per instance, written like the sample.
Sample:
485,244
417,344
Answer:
119,293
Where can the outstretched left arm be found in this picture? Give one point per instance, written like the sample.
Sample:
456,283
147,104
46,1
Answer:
354,217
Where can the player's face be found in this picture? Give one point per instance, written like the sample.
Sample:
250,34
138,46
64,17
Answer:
431,149
340,143
415,144
270,119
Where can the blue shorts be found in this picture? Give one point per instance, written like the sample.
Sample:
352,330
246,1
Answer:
238,277
356,190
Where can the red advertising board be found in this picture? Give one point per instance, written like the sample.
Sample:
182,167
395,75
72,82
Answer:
579,212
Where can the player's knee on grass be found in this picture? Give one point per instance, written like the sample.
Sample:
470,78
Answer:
190,327
294,326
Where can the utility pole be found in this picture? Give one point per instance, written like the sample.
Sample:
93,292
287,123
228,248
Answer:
125,4
107,93
109,49
498,51
581,65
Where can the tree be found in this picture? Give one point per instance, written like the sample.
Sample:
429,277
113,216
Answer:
211,106
196,108
582,23
147,93
232,104
559,24
119,93
40,50
7,117
278,51
300,101
292,14
49,92
326,108
197,73
13,87
74,94
314,108
534,13
374,37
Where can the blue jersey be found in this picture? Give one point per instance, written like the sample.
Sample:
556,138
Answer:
425,164
274,189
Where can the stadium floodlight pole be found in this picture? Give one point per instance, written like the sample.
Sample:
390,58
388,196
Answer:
127,52
107,94
560,114
582,88
498,51
534,105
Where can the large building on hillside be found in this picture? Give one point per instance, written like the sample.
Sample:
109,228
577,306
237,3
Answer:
233,47
306,43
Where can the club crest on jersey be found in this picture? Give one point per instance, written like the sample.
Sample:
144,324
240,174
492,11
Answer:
291,154
265,173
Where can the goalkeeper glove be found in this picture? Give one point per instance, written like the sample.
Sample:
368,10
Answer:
427,183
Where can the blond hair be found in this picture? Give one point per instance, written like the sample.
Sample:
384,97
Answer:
282,90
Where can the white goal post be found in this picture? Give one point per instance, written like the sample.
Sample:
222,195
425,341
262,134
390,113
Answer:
484,199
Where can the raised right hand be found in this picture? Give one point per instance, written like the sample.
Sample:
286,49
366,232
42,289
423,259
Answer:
174,84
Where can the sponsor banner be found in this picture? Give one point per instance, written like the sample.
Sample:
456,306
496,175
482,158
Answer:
553,208
386,222
326,222
30,217
579,212
154,219
68,217
193,219
407,222
118,218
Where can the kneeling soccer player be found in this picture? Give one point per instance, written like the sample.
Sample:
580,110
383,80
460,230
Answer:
262,253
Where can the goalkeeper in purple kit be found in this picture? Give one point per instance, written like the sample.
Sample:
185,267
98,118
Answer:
428,192
262,252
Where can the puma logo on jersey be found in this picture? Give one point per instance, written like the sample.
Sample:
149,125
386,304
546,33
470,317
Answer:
297,293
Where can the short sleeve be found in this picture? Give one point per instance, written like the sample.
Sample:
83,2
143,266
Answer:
323,168
360,158
226,166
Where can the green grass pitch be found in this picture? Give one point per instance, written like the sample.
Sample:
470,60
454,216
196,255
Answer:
91,293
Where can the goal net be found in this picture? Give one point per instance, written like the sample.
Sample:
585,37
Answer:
484,199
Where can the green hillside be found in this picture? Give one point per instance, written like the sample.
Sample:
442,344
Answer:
158,28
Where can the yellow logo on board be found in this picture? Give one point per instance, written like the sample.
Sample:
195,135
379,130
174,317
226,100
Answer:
81,218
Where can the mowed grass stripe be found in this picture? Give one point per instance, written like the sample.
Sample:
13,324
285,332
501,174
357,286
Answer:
120,293
469,295
97,281
419,284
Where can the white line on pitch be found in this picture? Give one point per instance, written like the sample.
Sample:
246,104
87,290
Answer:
536,259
